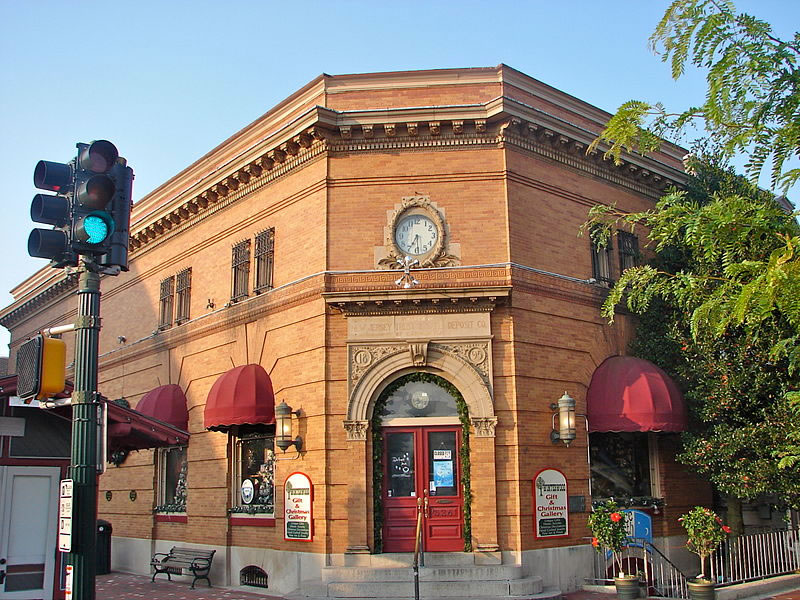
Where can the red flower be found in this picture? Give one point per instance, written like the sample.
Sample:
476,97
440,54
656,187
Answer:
595,542
726,529
616,517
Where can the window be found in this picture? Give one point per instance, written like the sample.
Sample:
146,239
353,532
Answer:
628,250
264,255
183,289
240,266
165,300
623,465
254,473
172,479
601,263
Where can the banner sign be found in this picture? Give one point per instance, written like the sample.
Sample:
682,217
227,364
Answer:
298,522
551,514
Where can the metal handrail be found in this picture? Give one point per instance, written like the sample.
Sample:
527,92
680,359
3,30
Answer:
656,570
417,548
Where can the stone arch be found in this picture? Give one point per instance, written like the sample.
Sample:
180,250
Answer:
469,381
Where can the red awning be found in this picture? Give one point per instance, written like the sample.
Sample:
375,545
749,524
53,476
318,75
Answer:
632,394
166,403
241,396
128,429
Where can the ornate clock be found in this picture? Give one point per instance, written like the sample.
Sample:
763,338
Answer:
416,228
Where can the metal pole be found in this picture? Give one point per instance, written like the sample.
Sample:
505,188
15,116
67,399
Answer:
83,468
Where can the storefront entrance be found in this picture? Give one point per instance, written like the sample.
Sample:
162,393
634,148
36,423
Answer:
422,474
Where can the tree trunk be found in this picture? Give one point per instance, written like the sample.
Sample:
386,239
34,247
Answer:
734,510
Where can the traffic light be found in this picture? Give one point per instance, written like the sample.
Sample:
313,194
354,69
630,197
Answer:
94,189
53,210
90,212
117,254
41,368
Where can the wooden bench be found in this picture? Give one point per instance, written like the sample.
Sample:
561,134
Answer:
182,561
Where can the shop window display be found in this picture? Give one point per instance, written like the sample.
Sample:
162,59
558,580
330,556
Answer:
254,481
620,464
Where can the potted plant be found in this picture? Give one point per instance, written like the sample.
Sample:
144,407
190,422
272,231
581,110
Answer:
608,528
705,531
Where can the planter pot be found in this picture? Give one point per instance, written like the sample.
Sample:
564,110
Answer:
627,587
701,589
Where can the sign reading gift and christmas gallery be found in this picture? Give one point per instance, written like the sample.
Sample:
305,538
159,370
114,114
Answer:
298,523
550,516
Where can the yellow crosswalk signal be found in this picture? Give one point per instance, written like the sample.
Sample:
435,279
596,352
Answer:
41,368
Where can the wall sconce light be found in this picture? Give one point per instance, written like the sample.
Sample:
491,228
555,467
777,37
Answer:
283,428
565,409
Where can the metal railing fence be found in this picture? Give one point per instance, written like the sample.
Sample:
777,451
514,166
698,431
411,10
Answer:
756,556
738,560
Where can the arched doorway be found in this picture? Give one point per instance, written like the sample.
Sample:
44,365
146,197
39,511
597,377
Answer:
423,469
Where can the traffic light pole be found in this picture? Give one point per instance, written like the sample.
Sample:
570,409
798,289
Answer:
83,468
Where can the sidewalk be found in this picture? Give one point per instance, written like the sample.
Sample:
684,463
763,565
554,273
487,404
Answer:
124,586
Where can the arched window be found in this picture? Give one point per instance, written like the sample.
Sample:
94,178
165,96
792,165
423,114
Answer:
411,398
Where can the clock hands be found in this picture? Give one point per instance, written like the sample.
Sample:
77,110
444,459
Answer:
416,241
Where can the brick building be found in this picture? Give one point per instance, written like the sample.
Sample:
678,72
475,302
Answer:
273,271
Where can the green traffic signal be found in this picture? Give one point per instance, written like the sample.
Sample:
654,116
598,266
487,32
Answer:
94,228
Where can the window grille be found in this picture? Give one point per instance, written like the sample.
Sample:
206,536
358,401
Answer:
628,250
183,289
240,266
165,300
253,576
264,257
601,264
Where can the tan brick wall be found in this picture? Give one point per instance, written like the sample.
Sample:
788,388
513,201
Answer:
501,205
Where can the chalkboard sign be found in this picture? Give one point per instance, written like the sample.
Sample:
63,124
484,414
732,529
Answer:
552,527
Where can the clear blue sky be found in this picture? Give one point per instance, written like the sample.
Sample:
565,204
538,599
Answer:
168,80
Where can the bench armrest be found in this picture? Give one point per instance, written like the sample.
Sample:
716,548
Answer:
201,563
155,558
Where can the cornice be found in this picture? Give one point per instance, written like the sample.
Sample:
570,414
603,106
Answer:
264,154
18,312
417,302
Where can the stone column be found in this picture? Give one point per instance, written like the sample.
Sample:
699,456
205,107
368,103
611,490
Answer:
357,497
484,491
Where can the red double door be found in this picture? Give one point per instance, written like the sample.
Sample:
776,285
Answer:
422,474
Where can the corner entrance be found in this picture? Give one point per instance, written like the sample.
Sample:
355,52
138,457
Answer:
423,474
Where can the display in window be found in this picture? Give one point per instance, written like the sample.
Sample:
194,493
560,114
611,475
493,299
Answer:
620,465
256,485
173,480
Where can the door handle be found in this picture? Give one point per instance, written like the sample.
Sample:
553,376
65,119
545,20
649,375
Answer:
425,504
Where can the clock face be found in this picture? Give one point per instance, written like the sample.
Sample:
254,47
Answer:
416,234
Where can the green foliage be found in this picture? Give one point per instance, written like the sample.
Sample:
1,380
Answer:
718,308
608,528
705,531
752,102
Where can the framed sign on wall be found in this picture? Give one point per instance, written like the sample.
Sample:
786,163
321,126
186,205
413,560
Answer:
298,522
550,504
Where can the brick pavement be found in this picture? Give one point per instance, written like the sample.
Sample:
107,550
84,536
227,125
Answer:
125,586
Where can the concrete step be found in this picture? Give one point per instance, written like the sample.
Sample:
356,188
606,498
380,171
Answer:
551,594
406,559
437,589
426,573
